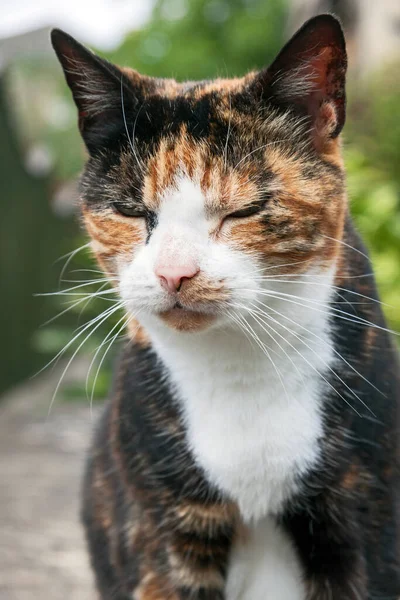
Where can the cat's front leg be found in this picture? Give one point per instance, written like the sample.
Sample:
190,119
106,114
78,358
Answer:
197,548
186,580
329,542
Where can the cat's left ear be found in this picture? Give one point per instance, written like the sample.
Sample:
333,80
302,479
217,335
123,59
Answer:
105,97
309,75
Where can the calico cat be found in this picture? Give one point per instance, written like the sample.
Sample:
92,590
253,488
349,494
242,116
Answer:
250,447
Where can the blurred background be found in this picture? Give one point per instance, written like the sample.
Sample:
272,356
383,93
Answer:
41,552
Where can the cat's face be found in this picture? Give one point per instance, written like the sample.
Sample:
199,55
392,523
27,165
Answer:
198,195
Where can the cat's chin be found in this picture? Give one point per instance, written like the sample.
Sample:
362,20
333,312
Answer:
183,319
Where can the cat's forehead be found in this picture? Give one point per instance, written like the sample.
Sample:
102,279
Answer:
183,161
189,90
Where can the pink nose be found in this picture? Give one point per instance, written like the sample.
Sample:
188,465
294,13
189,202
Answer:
172,277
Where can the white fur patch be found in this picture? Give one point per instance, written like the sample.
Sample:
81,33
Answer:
251,431
265,566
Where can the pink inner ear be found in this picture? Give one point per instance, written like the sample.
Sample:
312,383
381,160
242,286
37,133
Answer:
325,124
325,96
319,67
317,84
310,73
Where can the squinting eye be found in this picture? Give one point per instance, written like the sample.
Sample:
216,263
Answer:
253,209
129,211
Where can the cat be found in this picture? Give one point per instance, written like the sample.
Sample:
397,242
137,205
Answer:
250,447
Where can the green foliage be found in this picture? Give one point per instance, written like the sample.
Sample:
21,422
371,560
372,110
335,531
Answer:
373,168
201,39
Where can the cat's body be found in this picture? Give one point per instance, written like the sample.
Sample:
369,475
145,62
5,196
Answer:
249,451
146,450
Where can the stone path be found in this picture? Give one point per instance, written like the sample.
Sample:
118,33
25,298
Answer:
42,551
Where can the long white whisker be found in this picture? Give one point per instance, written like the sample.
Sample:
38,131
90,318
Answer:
336,312
96,318
240,325
114,309
279,345
73,305
81,284
310,275
88,281
312,366
124,324
98,350
316,354
257,149
70,256
131,142
101,297
323,341
329,285
245,327
87,325
93,271
345,244
67,293
298,262
265,349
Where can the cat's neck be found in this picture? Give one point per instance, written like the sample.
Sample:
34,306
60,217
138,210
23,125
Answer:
291,341
251,404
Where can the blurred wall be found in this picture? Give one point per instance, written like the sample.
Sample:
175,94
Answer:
31,238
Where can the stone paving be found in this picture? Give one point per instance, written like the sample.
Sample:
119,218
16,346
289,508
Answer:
42,551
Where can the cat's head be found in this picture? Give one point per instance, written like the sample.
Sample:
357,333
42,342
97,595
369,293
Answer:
195,194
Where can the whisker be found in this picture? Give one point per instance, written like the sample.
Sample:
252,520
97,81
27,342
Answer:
239,324
313,275
107,337
67,293
88,281
307,361
87,325
336,312
94,271
323,341
298,262
131,142
125,322
99,297
314,352
70,256
259,148
114,309
268,355
279,346
73,305
97,317
346,245
329,285
124,325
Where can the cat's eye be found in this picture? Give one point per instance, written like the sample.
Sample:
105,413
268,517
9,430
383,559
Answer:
250,210
129,211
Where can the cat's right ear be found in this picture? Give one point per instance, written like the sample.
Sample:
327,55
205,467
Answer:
104,95
308,76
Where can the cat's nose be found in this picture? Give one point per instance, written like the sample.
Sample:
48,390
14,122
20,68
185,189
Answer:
171,277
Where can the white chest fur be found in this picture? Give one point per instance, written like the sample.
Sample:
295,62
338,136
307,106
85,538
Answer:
252,430
264,566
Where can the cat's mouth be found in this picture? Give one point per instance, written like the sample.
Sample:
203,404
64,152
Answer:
184,318
195,306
